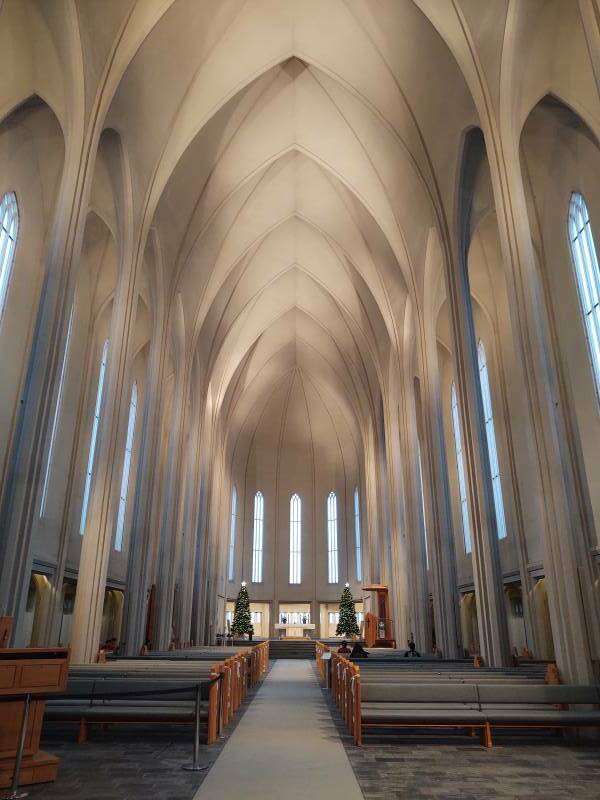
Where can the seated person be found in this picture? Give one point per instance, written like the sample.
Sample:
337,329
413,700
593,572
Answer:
358,651
344,649
412,648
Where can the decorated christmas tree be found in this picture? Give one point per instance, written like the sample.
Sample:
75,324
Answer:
242,622
347,626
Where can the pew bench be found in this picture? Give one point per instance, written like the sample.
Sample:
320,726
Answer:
471,706
135,701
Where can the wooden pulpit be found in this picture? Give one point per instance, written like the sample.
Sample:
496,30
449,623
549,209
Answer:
37,671
379,630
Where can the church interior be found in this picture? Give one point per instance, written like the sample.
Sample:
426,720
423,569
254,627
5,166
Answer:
300,346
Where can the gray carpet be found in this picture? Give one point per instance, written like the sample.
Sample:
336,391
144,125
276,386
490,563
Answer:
286,747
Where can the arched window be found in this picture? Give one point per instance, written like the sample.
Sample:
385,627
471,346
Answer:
460,470
295,539
332,539
490,432
232,527
9,230
422,493
357,535
56,415
587,271
93,439
257,543
126,469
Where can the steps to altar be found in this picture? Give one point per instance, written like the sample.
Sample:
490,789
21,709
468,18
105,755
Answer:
291,648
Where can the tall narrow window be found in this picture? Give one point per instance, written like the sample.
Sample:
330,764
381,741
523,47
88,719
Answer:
460,471
257,543
357,540
422,493
585,260
232,527
56,415
93,439
126,469
295,539
491,440
9,229
332,539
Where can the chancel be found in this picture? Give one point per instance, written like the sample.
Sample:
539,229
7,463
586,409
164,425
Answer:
299,398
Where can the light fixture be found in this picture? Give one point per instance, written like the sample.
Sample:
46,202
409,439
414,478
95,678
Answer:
243,583
347,585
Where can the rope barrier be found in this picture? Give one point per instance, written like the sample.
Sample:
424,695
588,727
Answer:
195,766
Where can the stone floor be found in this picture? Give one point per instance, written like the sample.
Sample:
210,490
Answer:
124,764
128,762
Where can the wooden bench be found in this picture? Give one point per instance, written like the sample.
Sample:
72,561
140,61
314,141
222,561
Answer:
472,706
86,700
137,700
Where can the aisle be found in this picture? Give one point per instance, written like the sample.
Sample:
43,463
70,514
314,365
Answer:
285,746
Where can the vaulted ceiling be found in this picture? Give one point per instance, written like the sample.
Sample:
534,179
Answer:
289,160
288,156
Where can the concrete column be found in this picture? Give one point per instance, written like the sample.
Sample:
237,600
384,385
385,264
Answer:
169,533
19,494
570,574
98,536
400,589
420,617
487,575
143,531
441,535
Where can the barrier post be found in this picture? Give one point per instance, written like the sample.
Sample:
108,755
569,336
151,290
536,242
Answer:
14,793
196,766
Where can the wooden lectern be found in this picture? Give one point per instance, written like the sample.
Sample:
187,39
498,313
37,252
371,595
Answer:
379,630
36,671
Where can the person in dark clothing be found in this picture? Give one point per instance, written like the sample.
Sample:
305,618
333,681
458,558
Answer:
358,651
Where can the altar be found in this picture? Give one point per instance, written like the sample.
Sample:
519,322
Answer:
297,630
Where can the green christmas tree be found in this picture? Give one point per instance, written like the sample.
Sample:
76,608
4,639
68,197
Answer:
242,622
347,626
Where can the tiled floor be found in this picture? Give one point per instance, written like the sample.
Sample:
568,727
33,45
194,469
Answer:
127,762
124,764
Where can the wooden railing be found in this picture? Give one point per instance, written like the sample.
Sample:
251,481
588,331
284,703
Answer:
345,691
320,649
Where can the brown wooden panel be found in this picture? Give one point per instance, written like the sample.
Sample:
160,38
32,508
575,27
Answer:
40,675
8,675
10,727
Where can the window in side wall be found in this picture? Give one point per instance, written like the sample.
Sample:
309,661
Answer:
232,527
93,439
119,535
422,495
56,415
460,470
587,271
357,535
9,231
257,542
295,539
332,539
490,432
